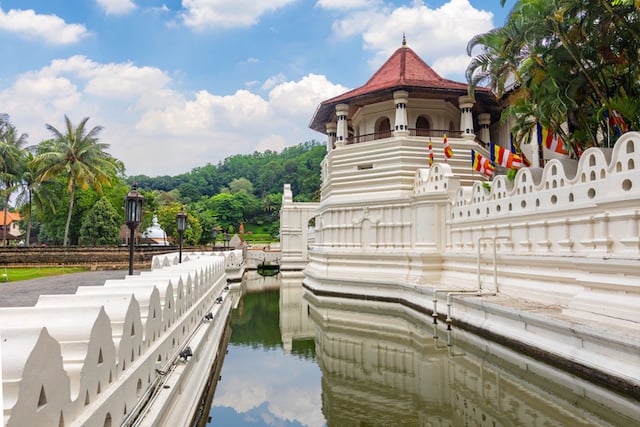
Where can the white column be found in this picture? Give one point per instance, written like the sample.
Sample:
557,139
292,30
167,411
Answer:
331,133
484,120
342,130
466,118
400,97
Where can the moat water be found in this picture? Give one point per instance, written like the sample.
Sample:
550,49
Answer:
298,360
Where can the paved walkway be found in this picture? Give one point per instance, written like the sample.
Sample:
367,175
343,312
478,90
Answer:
25,293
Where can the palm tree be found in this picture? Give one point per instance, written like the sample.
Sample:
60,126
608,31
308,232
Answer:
562,61
32,193
76,155
11,165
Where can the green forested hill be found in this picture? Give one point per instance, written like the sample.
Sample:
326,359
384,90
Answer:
245,188
298,165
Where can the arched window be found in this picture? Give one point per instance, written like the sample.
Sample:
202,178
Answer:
422,126
383,128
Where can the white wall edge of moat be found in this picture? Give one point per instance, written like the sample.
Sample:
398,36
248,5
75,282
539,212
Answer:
111,355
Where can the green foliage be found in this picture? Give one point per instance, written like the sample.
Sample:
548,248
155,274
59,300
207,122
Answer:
267,172
238,185
227,208
101,225
167,220
12,163
256,321
76,155
62,181
563,61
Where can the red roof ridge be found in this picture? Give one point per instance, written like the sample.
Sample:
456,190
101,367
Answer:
403,68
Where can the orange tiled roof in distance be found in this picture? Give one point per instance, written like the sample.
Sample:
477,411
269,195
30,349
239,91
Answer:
11,217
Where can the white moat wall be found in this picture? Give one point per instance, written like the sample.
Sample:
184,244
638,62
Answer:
110,355
565,238
567,234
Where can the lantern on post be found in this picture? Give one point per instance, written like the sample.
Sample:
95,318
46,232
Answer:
133,217
215,233
181,225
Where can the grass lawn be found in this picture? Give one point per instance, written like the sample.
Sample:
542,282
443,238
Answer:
16,274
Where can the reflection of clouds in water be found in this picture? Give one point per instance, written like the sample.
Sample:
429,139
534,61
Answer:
306,402
289,385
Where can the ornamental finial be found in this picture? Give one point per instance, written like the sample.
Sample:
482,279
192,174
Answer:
404,40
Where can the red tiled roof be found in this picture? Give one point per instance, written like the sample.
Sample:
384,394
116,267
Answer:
403,68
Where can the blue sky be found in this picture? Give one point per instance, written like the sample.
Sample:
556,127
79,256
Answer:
177,84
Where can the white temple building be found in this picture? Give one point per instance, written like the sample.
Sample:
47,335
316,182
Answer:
548,262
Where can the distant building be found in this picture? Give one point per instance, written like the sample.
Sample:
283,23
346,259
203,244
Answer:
11,223
155,235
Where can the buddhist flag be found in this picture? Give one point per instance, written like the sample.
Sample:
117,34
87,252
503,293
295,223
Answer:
616,120
481,164
448,152
523,159
505,158
430,153
552,142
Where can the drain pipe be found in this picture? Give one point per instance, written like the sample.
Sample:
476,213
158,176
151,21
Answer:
472,292
479,291
495,260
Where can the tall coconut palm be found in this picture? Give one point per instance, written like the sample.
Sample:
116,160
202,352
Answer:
12,163
77,156
33,193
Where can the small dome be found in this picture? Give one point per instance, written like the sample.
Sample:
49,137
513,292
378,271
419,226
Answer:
156,233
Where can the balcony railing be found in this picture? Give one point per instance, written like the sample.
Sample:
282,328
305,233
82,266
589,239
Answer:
435,133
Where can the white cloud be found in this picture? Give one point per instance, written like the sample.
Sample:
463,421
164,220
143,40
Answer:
50,28
154,128
346,4
273,81
439,35
203,14
300,98
117,7
450,65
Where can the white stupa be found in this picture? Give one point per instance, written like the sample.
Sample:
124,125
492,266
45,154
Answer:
155,235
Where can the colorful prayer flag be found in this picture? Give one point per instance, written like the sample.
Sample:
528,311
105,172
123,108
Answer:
505,158
616,120
523,159
481,164
448,152
552,142
430,153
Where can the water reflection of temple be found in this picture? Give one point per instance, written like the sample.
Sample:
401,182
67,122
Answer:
381,366
295,324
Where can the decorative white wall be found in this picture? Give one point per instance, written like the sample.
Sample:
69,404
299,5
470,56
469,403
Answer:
94,358
567,234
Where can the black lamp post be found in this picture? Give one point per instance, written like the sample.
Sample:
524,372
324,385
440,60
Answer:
133,217
181,225
215,233
225,239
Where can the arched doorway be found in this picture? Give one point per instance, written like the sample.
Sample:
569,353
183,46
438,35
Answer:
383,128
423,126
